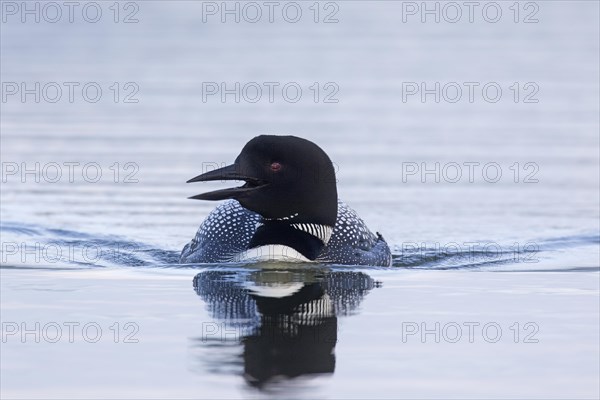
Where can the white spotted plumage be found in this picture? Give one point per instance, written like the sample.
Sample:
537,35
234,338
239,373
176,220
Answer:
226,233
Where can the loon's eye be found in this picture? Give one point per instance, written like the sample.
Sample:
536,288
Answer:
275,166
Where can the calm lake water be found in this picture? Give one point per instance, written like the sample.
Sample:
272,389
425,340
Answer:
472,146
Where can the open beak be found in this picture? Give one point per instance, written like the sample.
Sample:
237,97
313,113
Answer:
228,173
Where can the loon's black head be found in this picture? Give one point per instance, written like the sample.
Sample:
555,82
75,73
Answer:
286,176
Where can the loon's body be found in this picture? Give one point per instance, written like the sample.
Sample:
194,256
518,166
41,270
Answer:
226,236
287,211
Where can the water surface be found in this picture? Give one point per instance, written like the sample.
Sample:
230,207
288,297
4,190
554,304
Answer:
494,289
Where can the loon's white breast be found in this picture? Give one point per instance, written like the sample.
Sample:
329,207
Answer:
271,252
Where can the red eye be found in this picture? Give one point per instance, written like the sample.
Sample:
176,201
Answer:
275,166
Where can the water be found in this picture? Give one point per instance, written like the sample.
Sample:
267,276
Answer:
520,255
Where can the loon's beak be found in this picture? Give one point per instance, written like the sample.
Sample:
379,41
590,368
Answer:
228,173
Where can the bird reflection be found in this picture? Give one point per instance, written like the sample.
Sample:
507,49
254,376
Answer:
286,319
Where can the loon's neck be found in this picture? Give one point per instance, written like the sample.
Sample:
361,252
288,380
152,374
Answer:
306,238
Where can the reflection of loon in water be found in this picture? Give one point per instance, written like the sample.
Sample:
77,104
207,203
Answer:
288,317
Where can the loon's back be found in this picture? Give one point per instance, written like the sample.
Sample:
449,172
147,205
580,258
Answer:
227,232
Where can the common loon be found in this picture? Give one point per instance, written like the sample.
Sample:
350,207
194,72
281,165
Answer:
288,210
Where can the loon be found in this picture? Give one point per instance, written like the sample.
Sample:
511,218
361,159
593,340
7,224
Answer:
287,210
